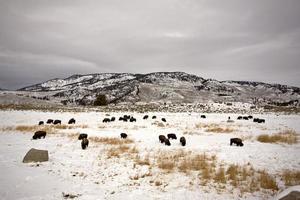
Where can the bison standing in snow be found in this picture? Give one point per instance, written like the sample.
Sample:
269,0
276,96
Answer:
162,138
57,121
145,117
41,123
172,136
82,135
123,135
72,121
105,120
163,119
182,141
39,135
84,143
203,116
236,141
49,121
167,142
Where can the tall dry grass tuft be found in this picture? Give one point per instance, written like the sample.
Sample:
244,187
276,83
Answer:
288,137
214,128
267,181
220,176
291,178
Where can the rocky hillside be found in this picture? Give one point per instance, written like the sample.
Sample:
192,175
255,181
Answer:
164,87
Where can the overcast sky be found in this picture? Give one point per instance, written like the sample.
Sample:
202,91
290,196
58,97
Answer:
256,40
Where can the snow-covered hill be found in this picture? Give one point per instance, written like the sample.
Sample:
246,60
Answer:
173,87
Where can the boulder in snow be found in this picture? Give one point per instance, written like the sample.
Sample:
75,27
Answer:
36,155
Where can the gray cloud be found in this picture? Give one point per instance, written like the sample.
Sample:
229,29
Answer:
227,40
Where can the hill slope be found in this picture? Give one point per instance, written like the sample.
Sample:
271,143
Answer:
175,87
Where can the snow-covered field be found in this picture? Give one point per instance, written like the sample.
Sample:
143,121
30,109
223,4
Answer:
95,174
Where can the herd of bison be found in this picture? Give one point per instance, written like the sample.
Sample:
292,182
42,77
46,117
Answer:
127,118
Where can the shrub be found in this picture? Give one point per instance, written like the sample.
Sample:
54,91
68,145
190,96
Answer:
100,100
291,177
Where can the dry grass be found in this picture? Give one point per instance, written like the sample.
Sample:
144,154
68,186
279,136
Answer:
288,137
51,129
267,181
142,161
214,128
111,140
291,178
220,176
117,151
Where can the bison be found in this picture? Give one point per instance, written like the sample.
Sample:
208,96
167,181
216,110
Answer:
163,119
261,121
255,119
167,142
182,141
39,135
236,141
84,143
154,117
245,118
105,120
112,119
203,116
162,138
132,119
49,121
145,117
123,135
250,117
41,122
82,135
121,118
172,136
57,121
72,121
239,118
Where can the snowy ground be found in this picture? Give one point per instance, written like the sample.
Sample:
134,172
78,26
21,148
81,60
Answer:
91,175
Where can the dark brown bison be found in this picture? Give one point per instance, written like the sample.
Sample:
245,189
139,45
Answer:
105,120
163,119
49,121
236,141
145,117
182,141
261,121
245,118
172,136
240,118
250,117
72,121
82,135
84,143
112,119
121,118
255,119
39,135
41,122
154,117
167,142
132,119
123,135
57,121
162,138
203,116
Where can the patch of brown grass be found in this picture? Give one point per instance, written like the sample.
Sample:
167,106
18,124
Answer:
214,128
116,151
267,181
111,140
291,178
142,161
288,137
220,176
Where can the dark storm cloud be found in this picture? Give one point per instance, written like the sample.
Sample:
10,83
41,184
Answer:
238,40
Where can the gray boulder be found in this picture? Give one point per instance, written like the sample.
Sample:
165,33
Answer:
36,155
294,195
